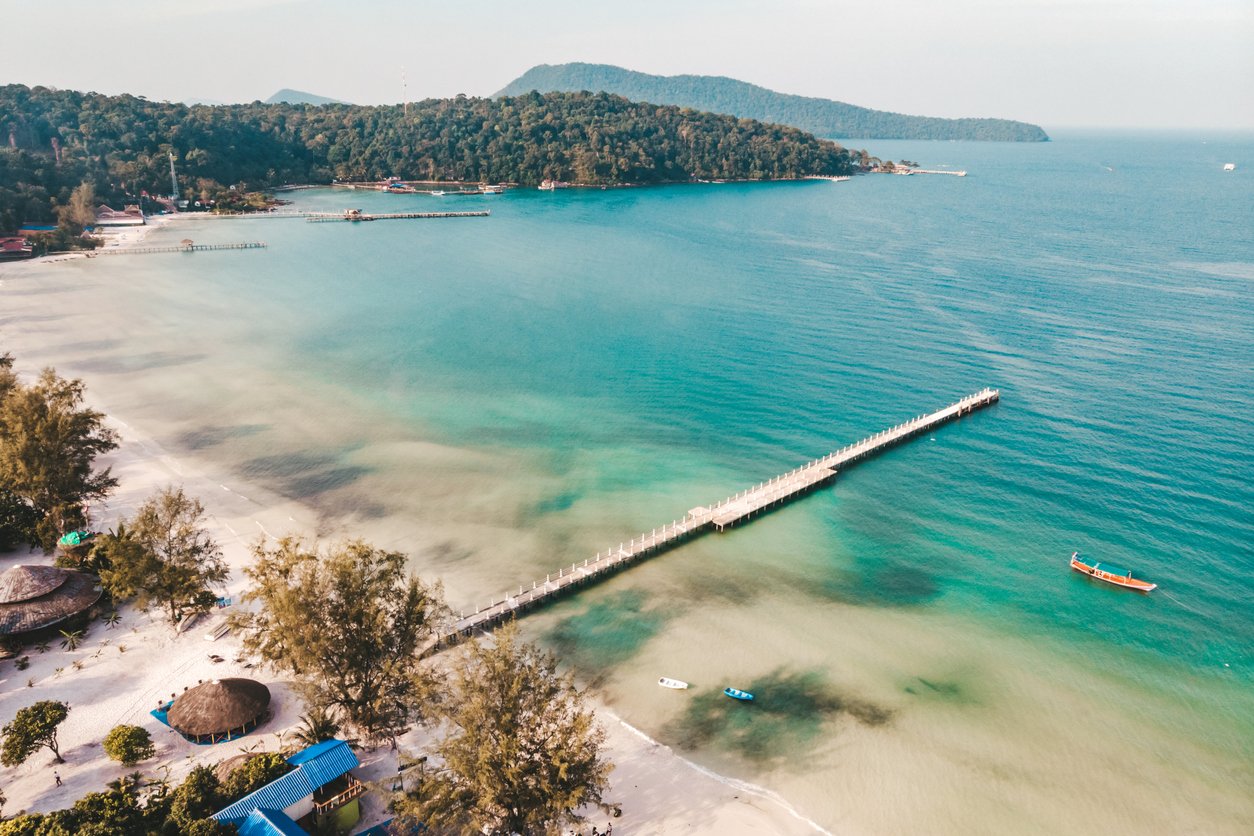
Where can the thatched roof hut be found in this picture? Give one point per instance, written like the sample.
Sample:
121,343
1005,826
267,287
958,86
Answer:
34,597
219,710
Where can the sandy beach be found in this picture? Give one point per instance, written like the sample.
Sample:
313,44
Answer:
119,674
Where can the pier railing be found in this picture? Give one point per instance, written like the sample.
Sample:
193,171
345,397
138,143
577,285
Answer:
180,248
719,516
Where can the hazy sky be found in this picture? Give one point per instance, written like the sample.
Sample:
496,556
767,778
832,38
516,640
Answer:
1099,63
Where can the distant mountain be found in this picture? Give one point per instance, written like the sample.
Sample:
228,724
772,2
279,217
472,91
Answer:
822,117
286,96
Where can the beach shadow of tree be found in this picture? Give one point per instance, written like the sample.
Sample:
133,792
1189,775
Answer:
609,631
787,714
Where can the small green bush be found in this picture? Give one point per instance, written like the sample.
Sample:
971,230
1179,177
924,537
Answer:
129,745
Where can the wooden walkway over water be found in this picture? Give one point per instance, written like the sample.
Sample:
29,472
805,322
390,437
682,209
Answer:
717,517
355,217
180,248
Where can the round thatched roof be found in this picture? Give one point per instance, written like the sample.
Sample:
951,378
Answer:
75,592
218,706
21,583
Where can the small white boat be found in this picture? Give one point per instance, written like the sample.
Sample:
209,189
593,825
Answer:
667,682
1230,166
492,190
437,194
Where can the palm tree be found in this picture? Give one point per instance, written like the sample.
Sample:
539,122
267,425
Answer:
112,619
72,639
317,725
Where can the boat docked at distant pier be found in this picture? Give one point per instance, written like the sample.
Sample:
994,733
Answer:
551,185
491,189
1109,573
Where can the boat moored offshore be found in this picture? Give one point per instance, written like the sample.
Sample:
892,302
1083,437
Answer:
1109,573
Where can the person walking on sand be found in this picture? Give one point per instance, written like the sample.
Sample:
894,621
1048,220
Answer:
56,776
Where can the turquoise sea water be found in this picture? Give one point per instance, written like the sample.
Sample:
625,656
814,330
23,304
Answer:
506,395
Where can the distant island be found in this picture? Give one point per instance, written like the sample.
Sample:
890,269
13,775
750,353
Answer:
716,94
120,146
289,96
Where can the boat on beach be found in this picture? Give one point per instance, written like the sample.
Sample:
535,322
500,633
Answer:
1109,573
667,682
737,694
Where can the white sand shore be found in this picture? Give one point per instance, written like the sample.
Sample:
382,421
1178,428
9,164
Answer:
119,674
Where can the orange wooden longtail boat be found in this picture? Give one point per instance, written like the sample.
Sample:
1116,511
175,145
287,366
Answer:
1109,573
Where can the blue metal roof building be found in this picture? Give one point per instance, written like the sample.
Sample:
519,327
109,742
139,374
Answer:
270,810
270,823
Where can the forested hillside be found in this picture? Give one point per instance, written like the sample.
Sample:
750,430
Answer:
822,117
120,144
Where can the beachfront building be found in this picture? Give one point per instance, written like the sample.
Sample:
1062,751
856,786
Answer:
15,247
35,597
218,710
321,792
130,216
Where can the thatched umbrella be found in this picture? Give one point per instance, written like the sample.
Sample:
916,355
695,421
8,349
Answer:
34,597
219,710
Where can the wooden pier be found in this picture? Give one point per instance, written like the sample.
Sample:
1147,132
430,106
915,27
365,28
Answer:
717,517
180,248
354,216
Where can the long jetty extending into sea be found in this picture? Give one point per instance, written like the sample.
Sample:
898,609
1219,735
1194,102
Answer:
347,215
180,248
720,516
353,215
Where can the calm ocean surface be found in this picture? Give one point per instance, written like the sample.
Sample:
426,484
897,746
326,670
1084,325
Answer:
502,396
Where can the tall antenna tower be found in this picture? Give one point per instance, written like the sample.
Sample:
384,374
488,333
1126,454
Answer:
404,91
174,180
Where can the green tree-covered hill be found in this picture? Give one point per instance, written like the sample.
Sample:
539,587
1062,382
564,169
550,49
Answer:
120,144
716,94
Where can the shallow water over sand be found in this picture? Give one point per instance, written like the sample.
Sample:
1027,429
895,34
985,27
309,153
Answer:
502,396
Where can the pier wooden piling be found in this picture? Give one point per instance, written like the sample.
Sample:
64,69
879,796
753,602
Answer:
720,516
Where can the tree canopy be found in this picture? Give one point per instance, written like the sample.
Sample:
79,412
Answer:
348,622
163,556
48,445
120,145
524,753
132,806
34,727
129,744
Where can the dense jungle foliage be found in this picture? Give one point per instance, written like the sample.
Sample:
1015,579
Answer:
120,145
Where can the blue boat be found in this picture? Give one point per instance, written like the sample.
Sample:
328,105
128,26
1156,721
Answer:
737,694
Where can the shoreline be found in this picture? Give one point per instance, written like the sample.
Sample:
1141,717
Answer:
117,675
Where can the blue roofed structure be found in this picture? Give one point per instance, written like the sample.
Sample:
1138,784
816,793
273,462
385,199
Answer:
320,788
270,823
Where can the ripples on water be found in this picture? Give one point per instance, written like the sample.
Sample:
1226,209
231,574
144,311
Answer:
504,396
